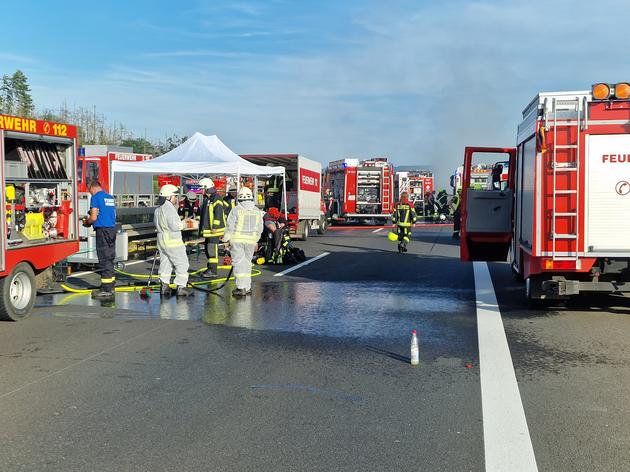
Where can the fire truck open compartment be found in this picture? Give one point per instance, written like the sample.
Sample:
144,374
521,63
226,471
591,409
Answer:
570,175
39,195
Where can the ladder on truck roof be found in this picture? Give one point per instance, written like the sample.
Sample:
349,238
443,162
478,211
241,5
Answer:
571,124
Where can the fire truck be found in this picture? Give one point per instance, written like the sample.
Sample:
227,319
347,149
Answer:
561,219
130,190
40,197
360,190
416,182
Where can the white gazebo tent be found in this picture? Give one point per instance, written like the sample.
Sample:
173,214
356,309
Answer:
199,155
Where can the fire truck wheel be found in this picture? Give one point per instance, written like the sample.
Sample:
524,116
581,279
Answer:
17,293
323,225
305,231
534,293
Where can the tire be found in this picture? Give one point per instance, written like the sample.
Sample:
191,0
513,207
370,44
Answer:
534,295
323,225
17,293
305,231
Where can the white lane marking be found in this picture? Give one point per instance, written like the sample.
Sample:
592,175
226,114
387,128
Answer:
377,230
506,436
323,254
79,274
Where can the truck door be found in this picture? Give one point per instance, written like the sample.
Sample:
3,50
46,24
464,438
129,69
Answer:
486,213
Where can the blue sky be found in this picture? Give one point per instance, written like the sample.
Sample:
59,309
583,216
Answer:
412,80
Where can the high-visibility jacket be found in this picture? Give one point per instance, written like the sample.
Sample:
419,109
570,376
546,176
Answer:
213,218
404,215
168,225
244,224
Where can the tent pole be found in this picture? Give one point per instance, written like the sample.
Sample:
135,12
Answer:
284,193
238,181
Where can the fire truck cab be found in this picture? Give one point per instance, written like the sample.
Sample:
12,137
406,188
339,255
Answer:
38,174
562,216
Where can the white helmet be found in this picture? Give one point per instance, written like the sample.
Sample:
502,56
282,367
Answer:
206,182
168,190
192,196
245,194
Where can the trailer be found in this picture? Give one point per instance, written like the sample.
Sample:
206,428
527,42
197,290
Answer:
303,188
561,219
38,172
360,191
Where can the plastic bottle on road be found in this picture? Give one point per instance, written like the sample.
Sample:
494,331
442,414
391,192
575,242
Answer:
415,352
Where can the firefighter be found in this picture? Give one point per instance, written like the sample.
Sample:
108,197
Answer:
187,207
170,244
404,217
455,205
275,223
244,227
103,218
211,225
230,199
441,205
273,192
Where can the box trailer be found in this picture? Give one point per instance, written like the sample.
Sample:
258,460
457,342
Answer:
304,191
360,190
561,218
38,172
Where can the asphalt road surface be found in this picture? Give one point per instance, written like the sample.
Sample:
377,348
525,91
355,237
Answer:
311,373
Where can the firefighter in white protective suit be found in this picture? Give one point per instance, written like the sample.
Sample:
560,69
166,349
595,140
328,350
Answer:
170,244
244,227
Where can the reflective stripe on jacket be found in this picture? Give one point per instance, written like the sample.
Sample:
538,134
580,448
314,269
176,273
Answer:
404,215
213,217
168,225
244,224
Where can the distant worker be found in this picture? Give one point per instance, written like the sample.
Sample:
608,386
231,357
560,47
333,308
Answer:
211,225
455,206
275,223
170,244
230,199
188,206
103,218
404,217
273,192
441,205
244,227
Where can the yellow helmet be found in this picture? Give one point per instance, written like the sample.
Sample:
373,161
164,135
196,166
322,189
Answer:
392,236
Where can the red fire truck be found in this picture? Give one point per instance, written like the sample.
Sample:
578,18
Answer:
131,190
416,182
360,190
40,197
562,218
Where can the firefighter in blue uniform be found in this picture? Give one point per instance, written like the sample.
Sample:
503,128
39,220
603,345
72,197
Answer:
102,218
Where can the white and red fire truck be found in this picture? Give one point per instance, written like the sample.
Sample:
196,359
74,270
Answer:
416,182
562,217
131,190
40,223
360,190
304,191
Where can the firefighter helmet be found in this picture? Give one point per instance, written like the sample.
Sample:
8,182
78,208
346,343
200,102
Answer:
206,182
392,236
192,196
245,194
168,190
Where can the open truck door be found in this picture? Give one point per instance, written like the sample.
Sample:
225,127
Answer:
487,213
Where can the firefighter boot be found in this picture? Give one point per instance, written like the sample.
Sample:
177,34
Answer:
239,292
165,290
184,292
210,272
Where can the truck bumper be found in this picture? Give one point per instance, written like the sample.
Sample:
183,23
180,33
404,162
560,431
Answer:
561,287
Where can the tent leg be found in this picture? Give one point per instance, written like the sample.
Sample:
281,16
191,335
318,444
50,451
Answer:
284,193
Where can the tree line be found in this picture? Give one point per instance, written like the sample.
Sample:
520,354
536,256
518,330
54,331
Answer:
92,127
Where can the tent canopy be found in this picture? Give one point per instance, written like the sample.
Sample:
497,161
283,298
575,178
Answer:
198,155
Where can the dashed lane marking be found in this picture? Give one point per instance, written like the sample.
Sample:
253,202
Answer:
377,230
305,263
507,443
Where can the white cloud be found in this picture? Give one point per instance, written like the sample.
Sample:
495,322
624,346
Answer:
415,83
